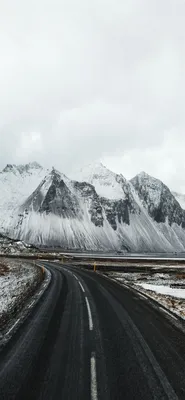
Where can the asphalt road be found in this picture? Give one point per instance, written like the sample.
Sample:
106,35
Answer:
89,338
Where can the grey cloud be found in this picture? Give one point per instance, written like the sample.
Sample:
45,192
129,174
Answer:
87,80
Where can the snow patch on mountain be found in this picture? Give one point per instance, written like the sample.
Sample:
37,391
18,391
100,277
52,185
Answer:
16,184
156,197
149,188
106,182
67,232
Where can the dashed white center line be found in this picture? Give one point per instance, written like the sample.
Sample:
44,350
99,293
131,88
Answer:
89,314
94,393
83,290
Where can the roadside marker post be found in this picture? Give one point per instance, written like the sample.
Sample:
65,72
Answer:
94,267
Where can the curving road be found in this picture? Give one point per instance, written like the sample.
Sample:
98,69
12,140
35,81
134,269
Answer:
88,338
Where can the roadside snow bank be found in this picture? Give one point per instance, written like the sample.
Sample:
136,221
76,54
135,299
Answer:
166,290
18,281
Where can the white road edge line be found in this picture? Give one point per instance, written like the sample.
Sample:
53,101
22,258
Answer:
143,296
89,314
171,315
31,304
94,393
13,326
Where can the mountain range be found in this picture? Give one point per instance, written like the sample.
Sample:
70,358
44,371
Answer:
96,210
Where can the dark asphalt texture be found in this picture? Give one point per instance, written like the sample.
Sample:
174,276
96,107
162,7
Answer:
88,338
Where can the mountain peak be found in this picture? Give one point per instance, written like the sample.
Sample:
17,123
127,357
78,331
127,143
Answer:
146,179
34,164
156,197
93,171
28,167
21,168
9,168
143,174
107,183
52,196
55,174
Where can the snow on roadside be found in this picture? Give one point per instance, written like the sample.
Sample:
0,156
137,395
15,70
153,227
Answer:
176,305
18,281
166,288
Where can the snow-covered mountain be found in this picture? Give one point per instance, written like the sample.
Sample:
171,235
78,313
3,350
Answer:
16,184
107,183
180,198
96,210
70,214
159,201
162,207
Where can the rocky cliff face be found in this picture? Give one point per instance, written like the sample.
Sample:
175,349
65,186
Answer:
113,193
180,198
53,197
96,210
160,203
92,201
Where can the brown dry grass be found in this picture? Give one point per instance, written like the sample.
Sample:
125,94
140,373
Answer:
180,276
4,268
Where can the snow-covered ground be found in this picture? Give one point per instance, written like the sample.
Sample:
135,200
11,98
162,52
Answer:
18,281
166,288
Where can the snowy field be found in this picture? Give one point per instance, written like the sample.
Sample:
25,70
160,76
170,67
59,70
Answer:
166,288
18,281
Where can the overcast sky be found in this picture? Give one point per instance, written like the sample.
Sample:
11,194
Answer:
88,80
